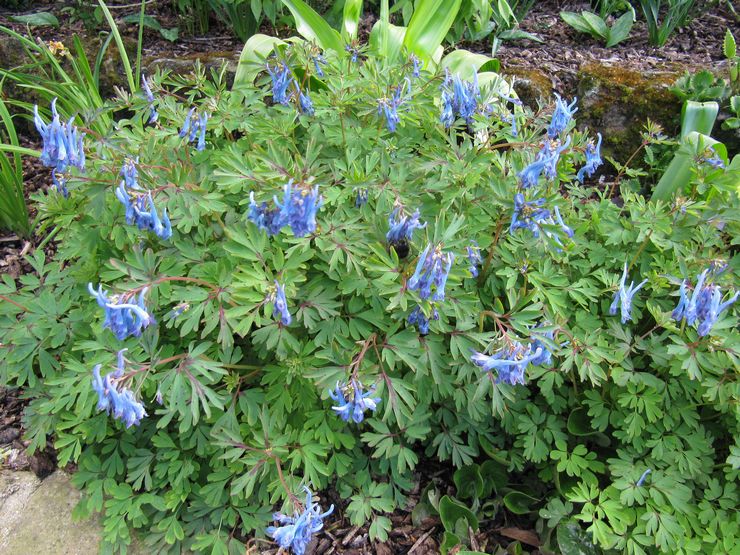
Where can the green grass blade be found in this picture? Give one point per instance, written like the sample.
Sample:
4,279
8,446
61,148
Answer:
120,45
351,18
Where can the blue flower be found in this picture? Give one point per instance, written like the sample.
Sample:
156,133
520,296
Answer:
550,154
122,404
388,107
705,304
459,99
352,401
296,531
623,297
361,198
195,128
298,210
510,362
59,182
419,319
130,173
353,51
642,478
561,116
123,318
530,175
593,159
153,115
401,227
137,213
418,65
432,269
527,214
281,81
280,304
711,158
63,147
318,59
545,357
304,101
474,258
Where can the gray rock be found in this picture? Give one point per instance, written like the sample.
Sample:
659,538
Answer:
36,517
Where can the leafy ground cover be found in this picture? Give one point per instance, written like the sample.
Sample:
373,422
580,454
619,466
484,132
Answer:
387,284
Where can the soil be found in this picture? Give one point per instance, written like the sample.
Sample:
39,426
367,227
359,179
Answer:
562,52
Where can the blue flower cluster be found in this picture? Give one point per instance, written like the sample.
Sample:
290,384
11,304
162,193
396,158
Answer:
361,198
474,258
296,531
623,297
137,213
433,269
352,401
130,174
512,361
153,115
593,159
353,51
123,318
418,65
284,87
546,160
531,215
122,404
195,127
561,116
317,61
389,106
711,158
298,210
402,226
459,99
419,319
62,148
705,304
280,304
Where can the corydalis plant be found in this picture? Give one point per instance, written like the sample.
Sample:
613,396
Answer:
114,397
352,401
63,146
153,115
297,210
388,107
432,270
623,297
194,127
460,99
561,117
122,317
705,304
137,213
296,531
280,304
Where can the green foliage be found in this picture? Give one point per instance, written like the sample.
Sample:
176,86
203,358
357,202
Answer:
245,418
13,210
700,87
597,27
663,18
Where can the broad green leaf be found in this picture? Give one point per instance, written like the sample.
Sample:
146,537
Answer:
576,21
253,56
39,19
313,27
575,541
519,503
621,28
429,25
466,64
699,117
450,511
729,46
468,482
351,18
597,24
386,40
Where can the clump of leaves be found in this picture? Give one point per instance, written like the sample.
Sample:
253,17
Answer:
279,296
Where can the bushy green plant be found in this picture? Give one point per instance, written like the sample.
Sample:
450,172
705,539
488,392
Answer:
245,334
597,26
663,18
